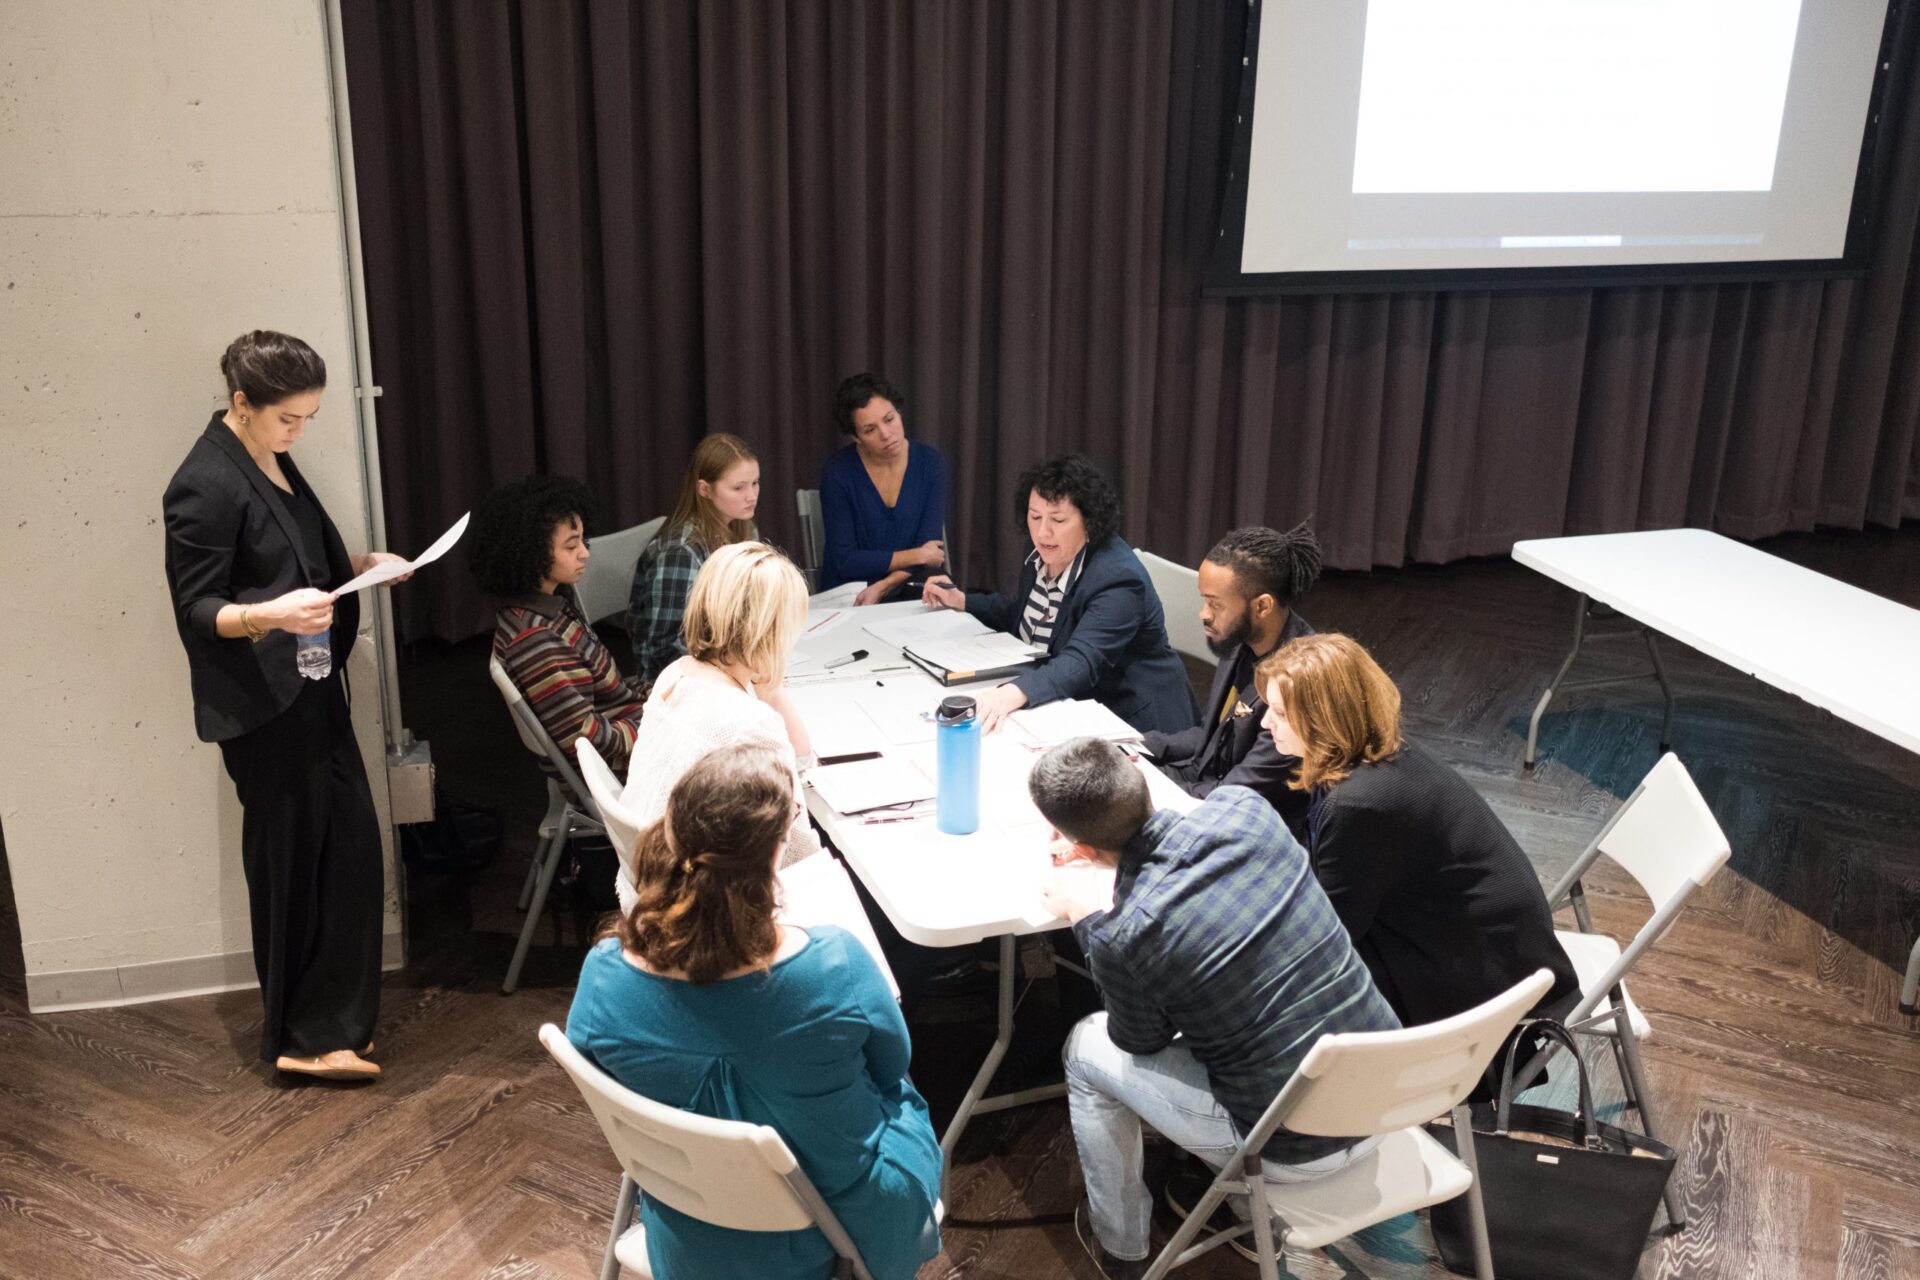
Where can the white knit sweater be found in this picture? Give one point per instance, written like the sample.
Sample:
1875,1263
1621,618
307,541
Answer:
696,708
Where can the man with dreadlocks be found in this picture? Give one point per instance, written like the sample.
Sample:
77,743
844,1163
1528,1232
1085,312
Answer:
1249,584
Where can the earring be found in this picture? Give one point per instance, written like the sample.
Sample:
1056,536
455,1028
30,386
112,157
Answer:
245,420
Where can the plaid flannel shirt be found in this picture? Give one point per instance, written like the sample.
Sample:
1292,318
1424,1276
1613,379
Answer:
1220,934
662,580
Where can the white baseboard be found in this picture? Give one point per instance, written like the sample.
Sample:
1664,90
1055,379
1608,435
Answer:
162,980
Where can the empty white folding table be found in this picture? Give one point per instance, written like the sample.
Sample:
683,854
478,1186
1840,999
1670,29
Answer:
1848,651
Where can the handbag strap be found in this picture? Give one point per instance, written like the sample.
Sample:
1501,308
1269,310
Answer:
1553,1030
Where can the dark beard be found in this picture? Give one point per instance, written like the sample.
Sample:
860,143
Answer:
1234,638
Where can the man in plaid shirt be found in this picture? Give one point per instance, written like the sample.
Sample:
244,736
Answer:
1220,961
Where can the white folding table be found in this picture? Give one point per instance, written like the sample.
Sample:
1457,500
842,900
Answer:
942,890
1848,651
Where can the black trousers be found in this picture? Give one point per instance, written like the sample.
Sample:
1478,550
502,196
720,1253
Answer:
310,844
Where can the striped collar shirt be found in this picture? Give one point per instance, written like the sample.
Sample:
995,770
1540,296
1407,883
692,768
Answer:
1043,602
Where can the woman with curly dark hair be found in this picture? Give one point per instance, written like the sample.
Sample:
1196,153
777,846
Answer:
1085,597
529,548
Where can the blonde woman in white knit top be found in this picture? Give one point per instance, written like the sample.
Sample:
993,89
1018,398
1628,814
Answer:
743,615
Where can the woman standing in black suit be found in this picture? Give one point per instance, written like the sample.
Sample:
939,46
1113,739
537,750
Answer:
1441,902
251,562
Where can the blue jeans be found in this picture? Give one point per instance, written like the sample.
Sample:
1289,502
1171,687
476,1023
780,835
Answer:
1109,1093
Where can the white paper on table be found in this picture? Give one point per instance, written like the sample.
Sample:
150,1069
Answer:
990,652
899,710
1056,722
863,785
840,597
824,619
1030,864
817,890
388,570
836,728
916,629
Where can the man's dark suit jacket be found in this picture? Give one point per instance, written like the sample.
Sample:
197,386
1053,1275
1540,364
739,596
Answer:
1236,751
231,540
1109,642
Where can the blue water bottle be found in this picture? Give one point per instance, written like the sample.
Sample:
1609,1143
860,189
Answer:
956,750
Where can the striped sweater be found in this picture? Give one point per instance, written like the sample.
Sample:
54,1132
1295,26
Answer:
567,676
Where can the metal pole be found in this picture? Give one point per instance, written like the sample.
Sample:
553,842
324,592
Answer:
364,388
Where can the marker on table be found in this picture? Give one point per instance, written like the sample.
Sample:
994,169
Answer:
855,656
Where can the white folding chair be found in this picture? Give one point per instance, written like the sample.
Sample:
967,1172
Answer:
608,584
1666,838
813,534
622,826
570,812
725,1172
1356,1085
1179,590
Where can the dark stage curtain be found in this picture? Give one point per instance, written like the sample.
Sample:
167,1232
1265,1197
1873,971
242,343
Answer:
595,231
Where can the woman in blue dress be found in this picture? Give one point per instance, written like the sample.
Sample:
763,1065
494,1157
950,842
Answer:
702,1000
883,497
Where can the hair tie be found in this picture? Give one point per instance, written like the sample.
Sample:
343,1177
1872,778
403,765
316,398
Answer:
686,866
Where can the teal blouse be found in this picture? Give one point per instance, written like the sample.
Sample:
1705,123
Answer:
814,1048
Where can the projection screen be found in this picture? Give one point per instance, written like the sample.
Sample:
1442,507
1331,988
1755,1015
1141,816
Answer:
1406,143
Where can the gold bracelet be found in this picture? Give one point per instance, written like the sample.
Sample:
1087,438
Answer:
246,624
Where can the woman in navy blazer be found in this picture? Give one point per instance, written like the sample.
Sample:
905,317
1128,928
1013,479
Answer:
252,561
883,497
1085,596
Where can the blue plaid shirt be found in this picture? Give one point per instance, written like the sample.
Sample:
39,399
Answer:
1220,934
657,601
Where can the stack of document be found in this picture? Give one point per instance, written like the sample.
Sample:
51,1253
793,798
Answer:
861,786
954,647
1057,722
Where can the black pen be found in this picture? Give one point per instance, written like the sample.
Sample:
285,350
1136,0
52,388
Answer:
855,656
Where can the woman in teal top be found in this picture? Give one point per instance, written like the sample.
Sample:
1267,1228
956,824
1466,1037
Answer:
719,1009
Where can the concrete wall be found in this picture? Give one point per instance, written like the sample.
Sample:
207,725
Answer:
169,182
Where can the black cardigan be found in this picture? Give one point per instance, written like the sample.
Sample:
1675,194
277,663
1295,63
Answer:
1440,901
1109,642
231,540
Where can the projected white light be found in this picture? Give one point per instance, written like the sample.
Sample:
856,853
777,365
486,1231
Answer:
1572,95
1425,137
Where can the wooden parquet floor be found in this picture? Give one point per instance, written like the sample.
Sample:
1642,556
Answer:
145,1141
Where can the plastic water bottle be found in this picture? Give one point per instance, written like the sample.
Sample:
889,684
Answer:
314,655
956,739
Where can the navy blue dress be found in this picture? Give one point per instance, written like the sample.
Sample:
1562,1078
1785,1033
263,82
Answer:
816,1049
862,532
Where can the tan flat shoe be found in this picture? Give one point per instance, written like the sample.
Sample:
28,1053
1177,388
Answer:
368,1051
341,1064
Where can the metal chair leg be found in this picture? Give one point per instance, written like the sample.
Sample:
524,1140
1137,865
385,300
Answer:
1476,1205
1266,1250
549,863
555,817
1630,1048
623,1211
1666,691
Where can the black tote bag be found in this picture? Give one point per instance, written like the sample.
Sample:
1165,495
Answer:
1567,1198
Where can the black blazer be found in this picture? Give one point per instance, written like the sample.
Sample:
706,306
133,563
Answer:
1109,642
1440,901
231,540
1237,751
